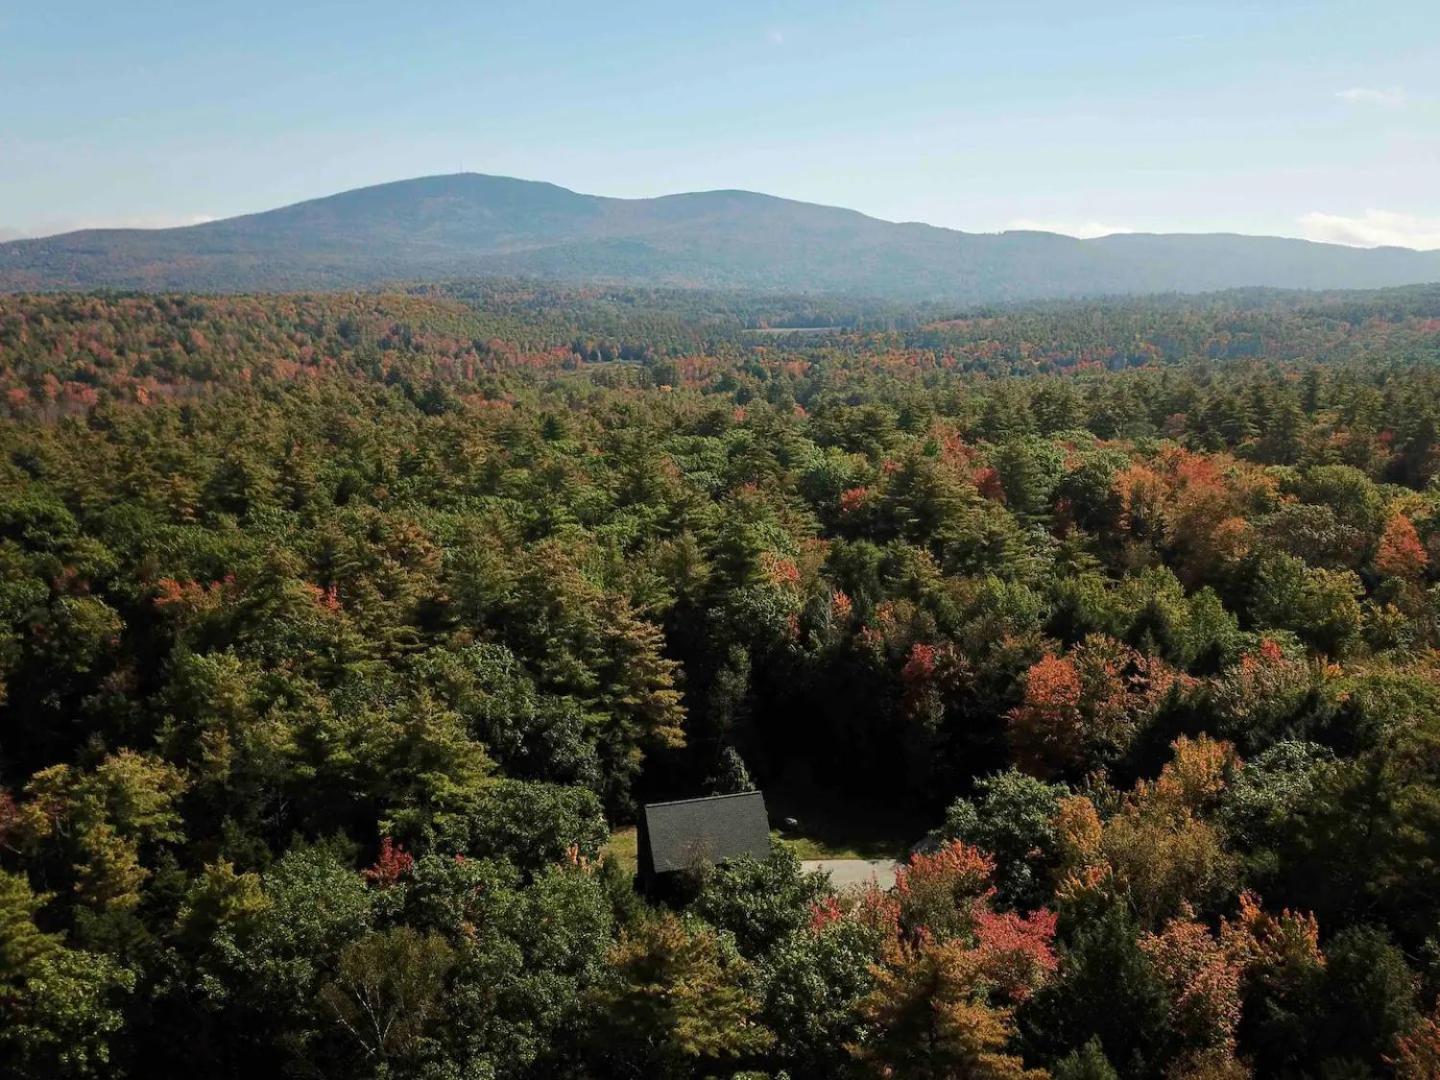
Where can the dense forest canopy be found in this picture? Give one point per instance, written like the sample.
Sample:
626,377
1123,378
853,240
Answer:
339,632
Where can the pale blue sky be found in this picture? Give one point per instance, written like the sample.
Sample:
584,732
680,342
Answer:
1319,118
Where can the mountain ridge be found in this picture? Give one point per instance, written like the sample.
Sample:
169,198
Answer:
476,225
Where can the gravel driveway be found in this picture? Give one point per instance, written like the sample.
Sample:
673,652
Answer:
848,873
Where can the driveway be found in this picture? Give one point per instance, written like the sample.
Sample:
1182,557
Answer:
850,873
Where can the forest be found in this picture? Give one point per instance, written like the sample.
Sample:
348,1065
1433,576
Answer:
342,633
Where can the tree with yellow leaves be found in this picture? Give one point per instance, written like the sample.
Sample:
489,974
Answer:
928,1019
676,998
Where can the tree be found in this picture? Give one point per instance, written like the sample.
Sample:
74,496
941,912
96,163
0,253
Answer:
531,735
811,984
1269,696
927,1017
730,776
59,1007
387,988
1163,851
531,824
1369,995
527,954
760,901
1321,606
1030,470
1346,490
1264,795
274,959
22,943
941,893
98,821
1417,1052
1082,711
1401,554
1203,984
675,998
1012,816
66,1018
1283,974
1107,990
1087,1063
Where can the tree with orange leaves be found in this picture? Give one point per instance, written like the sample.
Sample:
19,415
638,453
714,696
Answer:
1417,1053
943,998
1046,728
1283,972
1158,850
1401,554
1081,711
1202,981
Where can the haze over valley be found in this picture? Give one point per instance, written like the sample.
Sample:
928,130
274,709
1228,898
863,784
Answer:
472,225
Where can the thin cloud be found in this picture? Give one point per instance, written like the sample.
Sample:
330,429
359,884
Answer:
147,221
151,221
1083,230
775,37
1388,98
1373,228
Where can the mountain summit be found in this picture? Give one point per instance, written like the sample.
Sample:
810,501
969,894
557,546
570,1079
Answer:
472,225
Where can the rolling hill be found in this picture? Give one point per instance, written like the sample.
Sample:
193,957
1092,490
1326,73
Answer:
470,225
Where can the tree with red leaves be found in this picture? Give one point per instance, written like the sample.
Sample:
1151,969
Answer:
1016,951
392,864
940,894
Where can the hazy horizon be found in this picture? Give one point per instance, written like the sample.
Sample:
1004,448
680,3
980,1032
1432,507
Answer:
1310,120
1017,226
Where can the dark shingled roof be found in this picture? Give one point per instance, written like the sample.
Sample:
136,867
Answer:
677,835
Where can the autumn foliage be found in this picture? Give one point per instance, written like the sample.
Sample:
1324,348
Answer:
1401,554
345,637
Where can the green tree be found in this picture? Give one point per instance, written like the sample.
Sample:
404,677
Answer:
676,999
811,985
1107,991
759,901
66,1019
1012,816
387,988
1087,1063
1030,470
60,1008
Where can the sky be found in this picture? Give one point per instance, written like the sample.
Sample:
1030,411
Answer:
1318,119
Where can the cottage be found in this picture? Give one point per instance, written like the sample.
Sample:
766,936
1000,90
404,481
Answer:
700,832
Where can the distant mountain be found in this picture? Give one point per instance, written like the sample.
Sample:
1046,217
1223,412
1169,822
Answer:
471,225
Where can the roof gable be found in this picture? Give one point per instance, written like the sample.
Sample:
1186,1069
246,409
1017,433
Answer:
677,835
